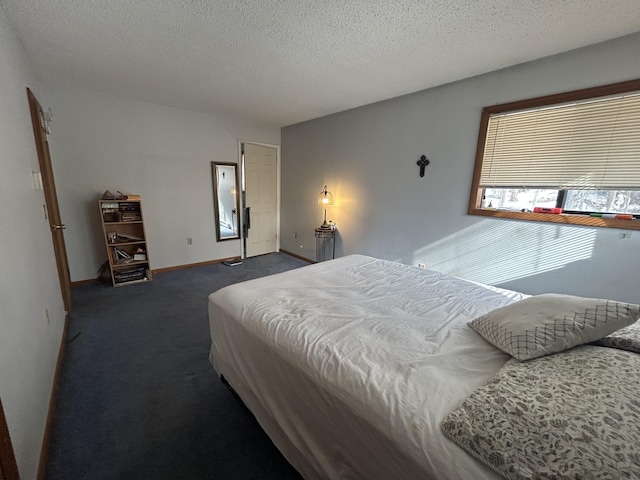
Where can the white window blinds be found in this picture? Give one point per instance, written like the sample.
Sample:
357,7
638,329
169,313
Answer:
590,144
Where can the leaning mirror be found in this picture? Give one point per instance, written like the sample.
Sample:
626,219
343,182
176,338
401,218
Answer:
226,200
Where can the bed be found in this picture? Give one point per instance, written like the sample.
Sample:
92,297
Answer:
351,366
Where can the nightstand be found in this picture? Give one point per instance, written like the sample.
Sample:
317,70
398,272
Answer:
325,244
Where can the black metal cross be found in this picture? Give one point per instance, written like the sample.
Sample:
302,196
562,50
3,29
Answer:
423,162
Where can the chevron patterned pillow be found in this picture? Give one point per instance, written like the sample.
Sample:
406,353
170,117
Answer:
550,323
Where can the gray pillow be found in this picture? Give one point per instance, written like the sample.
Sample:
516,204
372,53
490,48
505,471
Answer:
550,323
627,338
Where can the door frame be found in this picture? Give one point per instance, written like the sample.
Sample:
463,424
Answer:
241,142
8,465
56,227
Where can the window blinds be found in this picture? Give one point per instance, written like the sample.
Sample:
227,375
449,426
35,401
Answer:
591,144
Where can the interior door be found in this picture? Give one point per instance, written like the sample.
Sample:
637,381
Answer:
51,198
260,170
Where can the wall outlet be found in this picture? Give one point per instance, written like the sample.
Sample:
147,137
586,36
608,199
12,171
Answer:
422,265
295,234
189,241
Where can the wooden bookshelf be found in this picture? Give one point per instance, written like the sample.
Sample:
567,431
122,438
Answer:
125,240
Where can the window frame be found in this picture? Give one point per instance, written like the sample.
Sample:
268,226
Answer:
475,197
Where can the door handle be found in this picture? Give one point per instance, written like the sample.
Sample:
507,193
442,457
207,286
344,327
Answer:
58,227
248,217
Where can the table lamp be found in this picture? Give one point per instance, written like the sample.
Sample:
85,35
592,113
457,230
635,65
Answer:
325,198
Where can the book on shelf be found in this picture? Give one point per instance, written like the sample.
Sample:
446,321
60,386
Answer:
130,216
127,237
130,274
120,256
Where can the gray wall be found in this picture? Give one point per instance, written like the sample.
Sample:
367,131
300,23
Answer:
31,310
367,157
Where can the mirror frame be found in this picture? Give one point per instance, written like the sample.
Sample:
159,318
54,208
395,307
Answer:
216,200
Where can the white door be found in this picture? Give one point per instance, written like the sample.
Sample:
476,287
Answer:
260,170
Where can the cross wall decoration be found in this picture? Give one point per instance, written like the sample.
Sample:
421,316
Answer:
423,162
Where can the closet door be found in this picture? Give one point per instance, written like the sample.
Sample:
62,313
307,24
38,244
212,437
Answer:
261,170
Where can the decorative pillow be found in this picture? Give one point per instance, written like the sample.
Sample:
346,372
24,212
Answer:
550,323
627,338
574,415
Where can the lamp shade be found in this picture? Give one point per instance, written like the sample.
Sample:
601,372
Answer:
325,198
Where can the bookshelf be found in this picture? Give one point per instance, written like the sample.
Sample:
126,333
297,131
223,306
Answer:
124,237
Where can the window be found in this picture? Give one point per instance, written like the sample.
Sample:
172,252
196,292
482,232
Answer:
577,151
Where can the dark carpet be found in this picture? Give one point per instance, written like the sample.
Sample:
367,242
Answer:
138,398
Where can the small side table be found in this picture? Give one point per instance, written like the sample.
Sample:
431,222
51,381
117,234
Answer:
325,244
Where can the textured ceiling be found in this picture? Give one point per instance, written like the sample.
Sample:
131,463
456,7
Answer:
285,61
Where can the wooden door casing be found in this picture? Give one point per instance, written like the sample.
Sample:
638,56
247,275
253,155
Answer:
51,198
8,466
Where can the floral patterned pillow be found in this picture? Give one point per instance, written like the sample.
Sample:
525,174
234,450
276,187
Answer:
573,415
550,323
627,338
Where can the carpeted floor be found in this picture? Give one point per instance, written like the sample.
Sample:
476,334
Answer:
138,398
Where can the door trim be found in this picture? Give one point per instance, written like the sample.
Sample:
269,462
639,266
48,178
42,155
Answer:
241,142
54,219
8,465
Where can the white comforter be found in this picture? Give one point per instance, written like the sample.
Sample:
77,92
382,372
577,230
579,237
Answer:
351,365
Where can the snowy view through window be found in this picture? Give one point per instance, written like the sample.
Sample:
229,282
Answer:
600,201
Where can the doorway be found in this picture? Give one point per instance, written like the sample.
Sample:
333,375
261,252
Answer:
40,132
260,198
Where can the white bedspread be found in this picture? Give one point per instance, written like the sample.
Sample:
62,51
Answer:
350,365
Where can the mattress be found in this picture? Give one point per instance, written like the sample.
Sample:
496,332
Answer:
351,365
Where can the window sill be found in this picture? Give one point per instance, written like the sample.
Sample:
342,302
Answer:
567,219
